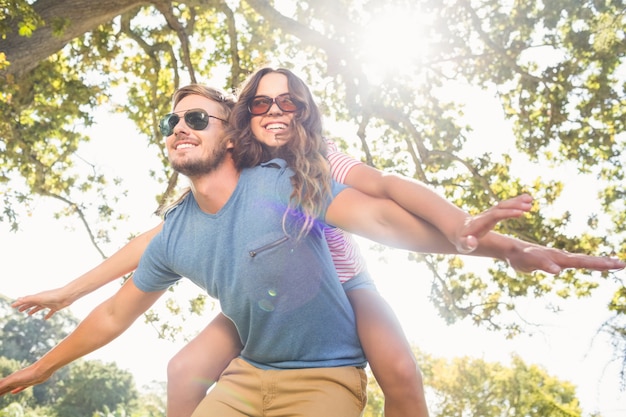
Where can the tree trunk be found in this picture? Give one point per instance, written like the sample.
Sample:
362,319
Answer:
79,17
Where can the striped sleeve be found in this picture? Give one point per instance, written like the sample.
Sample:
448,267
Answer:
340,163
343,248
345,253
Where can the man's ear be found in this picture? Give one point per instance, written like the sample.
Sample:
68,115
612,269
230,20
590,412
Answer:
229,144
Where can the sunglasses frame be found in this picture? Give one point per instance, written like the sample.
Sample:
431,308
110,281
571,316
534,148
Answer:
273,101
167,129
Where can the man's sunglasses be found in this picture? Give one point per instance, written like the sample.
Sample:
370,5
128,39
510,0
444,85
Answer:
259,105
196,119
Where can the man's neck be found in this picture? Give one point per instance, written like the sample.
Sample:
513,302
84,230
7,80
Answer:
213,190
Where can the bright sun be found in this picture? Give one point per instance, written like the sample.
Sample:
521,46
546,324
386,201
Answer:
394,41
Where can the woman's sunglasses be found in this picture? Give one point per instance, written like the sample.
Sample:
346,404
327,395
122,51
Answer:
196,119
259,105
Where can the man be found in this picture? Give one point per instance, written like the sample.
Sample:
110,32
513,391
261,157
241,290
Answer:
233,236
281,292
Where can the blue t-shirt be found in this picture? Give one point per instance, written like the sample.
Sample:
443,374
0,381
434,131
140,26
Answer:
283,294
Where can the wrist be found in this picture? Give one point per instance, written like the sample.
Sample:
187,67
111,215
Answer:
496,245
80,287
44,367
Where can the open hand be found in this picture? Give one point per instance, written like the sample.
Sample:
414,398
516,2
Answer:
477,226
20,380
54,300
530,257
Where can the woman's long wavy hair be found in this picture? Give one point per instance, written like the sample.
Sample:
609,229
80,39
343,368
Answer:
304,151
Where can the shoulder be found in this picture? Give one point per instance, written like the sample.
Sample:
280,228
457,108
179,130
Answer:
276,163
273,168
331,146
267,177
178,205
340,164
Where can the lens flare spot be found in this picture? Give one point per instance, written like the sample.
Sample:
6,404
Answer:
266,305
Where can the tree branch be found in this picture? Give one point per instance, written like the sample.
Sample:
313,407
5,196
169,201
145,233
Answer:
79,17
76,208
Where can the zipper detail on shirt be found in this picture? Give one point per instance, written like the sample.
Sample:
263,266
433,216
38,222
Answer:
255,252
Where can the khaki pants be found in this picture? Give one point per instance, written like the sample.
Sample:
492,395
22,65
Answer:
244,390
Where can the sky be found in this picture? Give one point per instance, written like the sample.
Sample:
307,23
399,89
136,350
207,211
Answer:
47,253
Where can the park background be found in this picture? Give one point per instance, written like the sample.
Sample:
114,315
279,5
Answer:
49,250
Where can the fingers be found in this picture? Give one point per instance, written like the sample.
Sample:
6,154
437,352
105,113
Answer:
522,202
516,205
550,267
594,263
512,207
553,261
7,387
484,222
20,380
23,304
19,304
34,310
591,263
533,261
50,314
29,306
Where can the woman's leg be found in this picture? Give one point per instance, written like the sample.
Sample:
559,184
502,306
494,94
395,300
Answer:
389,354
199,364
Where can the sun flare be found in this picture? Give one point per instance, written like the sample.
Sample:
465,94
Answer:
395,41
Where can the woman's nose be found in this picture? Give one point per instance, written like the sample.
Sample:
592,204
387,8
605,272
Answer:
274,109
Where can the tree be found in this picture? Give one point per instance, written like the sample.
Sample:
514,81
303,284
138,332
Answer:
90,387
93,386
25,398
471,387
25,339
22,404
151,402
556,67
79,389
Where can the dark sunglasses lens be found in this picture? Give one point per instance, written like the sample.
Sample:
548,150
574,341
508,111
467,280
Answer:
197,120
167,124
286,103
260,105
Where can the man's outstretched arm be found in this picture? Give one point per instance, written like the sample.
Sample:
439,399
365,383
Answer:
106,322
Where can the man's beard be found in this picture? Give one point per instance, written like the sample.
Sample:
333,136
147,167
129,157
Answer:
197,168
